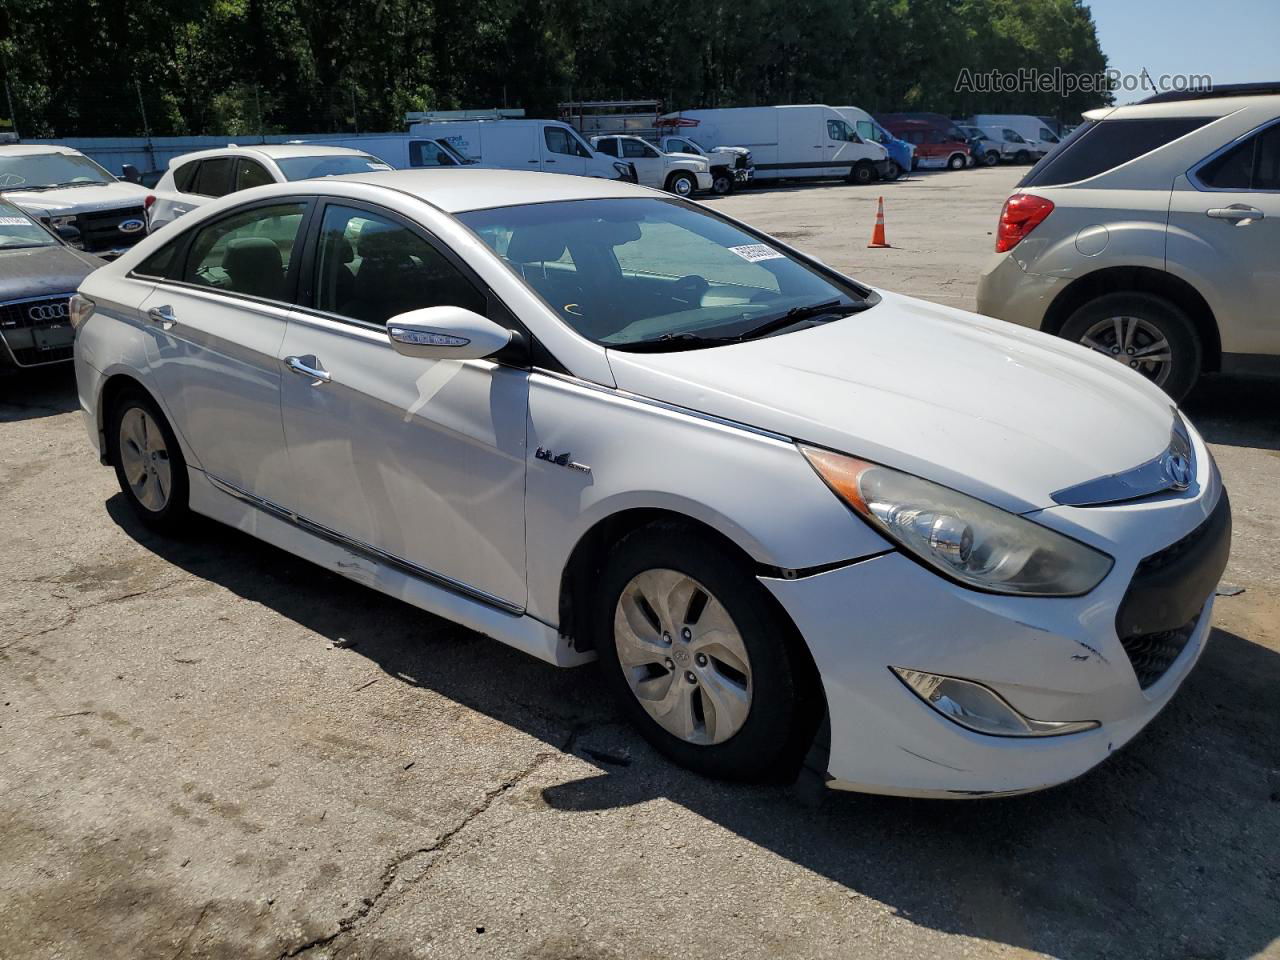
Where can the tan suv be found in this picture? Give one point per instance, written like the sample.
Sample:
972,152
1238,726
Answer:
1152,235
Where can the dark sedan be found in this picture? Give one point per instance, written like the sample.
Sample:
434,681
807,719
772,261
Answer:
38,275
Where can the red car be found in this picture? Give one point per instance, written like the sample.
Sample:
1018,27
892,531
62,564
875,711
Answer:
936,146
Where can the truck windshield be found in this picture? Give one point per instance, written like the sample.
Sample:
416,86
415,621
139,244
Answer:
41,171
19,230
646,274
331,165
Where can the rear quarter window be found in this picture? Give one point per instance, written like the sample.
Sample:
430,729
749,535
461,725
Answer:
184,176
1106,145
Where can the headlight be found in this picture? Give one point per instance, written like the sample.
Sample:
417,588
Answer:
969,541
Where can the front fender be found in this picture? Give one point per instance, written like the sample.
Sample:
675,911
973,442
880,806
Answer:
623,453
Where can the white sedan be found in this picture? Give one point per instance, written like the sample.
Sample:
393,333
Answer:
797,520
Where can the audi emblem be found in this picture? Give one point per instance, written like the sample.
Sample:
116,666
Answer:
48,311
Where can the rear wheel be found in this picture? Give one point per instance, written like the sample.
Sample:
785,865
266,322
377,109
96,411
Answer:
957,161
681,184
699,657
1147,333
862,173
149,464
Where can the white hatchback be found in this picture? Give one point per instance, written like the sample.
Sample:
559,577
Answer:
797,520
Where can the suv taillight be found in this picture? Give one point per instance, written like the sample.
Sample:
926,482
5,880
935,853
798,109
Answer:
148,200
1021,214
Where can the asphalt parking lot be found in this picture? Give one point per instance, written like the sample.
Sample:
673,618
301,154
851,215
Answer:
209,748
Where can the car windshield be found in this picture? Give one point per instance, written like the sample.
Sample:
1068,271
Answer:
327,165
658,274
40,171
19,230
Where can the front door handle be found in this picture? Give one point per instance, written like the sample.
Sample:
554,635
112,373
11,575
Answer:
163,316
1241,213
309,366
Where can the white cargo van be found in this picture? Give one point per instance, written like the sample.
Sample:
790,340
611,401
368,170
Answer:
810,140
1032,129
517,144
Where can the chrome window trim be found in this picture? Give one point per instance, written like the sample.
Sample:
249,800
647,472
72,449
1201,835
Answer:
364,549
1193,174
225,297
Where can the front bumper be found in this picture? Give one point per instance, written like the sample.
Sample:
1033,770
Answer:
744,174
1054,659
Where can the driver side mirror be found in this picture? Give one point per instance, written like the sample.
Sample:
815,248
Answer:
68,233
130,173
446,333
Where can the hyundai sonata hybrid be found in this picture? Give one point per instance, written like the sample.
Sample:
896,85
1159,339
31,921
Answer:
797,521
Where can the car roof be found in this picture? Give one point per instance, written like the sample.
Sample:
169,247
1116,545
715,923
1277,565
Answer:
273,151
1217,106
456,191
27,149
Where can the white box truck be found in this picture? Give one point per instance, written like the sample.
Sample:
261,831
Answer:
792,142
511,144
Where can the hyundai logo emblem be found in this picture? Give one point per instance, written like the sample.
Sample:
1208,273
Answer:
42,312
132,225
1177,468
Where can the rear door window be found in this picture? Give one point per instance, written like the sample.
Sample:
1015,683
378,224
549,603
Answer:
1106,145
1252,164
214,178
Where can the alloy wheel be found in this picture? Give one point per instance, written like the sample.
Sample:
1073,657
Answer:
683,657
144,457
1135,342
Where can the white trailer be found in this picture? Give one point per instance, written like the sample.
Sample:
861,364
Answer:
800,141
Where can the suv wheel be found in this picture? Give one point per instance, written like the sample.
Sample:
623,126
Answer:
699,658
681,184
149,464
1146,333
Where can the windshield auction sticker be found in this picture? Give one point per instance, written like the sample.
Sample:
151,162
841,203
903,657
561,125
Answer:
755,252
14,222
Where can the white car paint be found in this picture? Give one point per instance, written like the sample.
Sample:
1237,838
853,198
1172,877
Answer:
432,464
171,202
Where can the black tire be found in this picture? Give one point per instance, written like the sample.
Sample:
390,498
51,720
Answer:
1022,156
957,161
863,173
175,513
894,171
721,183
675,181
1172,322
786,701
992,158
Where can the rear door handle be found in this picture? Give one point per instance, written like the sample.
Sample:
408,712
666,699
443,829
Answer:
1242,213
163,316
309,367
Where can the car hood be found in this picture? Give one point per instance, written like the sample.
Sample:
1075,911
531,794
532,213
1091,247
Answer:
1003,413
69,200
700,161
43,271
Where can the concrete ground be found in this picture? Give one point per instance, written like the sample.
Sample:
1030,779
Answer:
211,749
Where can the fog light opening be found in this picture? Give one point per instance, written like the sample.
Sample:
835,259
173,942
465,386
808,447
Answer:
981,709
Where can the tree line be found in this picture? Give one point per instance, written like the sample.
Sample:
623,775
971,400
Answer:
240,67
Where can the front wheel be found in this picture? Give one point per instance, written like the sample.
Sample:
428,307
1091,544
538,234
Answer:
149,464
992,157
894,172
1022,156
1148,334
700,658
721,183
681,184
862,173
957,161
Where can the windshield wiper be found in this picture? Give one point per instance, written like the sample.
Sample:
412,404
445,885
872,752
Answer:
671,342
75,183
797,314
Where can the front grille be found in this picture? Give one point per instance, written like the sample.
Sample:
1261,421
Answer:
37,331
100,230
1153,653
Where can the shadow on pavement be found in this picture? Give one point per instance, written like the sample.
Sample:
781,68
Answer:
1167,850
41,392
1237,411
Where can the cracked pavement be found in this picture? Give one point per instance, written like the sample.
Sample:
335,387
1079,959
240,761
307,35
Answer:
211,749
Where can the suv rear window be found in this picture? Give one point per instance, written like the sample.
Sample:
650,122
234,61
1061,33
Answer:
1105,145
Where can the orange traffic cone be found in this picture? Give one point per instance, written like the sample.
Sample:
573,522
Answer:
877,235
